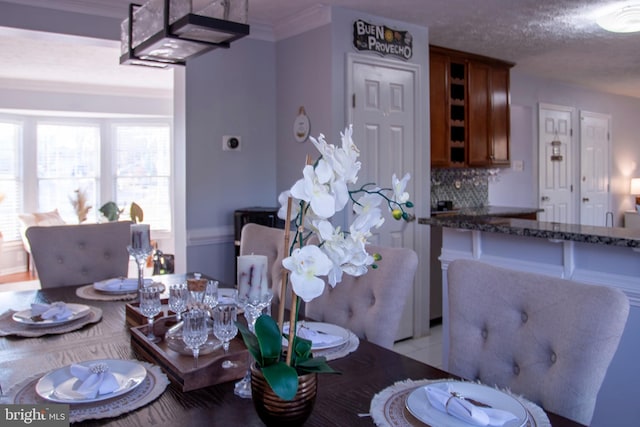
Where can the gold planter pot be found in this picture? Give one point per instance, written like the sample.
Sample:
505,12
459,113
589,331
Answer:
274,411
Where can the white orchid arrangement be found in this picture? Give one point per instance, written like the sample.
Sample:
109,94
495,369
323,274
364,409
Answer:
319,195
319,249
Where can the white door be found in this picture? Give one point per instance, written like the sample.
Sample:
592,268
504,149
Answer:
555,148
382,112
594,168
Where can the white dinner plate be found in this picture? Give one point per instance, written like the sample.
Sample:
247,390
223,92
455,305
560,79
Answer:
418,404
226,296
60,385
77,311
321,327
129,286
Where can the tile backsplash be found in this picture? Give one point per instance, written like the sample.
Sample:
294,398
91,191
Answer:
464,187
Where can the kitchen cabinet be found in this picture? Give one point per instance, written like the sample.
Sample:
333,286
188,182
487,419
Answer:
469,104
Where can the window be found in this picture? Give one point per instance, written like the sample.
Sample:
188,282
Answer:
68,161
143,171
10,182
43,161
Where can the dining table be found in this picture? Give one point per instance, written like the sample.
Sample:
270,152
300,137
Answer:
343,399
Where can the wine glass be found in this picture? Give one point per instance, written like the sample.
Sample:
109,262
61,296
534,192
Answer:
150,306
253,306
140,248
195,331
210,298
178,297
197,287
224,323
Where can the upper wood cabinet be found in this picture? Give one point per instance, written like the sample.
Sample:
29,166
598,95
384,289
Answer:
469,97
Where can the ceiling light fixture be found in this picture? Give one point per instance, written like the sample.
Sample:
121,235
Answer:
623,20
168,32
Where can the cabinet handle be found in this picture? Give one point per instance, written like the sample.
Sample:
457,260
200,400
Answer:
585,199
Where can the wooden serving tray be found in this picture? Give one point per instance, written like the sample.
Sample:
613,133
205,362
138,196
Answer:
133,316
180,368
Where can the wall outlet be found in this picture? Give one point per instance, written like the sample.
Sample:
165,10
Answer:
230,143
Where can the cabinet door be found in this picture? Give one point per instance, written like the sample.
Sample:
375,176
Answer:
500,118
478,114
439,101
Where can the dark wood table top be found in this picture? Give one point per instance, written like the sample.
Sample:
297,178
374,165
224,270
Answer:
340,399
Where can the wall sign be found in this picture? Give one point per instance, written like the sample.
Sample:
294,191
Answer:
382,40
301,126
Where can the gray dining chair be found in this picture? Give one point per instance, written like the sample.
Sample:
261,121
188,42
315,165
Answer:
69,255
370,305
548,339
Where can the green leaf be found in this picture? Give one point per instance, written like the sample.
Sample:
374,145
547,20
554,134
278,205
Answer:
408,204
269,339
283,379
251,341
318,365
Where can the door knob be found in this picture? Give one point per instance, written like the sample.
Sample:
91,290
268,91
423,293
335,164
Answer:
544,198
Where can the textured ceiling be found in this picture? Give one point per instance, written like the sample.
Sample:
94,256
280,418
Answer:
549,38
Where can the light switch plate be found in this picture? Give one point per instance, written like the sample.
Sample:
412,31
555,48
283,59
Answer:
517,165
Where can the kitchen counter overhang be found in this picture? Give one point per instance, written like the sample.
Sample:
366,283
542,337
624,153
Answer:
615,236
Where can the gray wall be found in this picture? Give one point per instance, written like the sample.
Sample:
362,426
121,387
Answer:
228,92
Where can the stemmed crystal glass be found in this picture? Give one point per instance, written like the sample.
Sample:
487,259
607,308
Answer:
178,298
140,248
253,306
210,298
224,323
150,306
195,331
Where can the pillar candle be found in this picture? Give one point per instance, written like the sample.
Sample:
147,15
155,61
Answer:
252,277
140,236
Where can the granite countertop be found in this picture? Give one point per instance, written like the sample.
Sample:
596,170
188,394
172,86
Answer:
615,236
487,211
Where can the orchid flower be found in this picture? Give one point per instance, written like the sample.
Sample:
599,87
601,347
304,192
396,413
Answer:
312,190
399,195
321,193
305,264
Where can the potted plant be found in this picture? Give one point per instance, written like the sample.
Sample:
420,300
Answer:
318,249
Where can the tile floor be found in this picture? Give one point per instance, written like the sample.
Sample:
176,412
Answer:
425,349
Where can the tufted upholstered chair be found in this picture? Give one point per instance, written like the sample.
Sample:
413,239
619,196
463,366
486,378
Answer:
262,240
370,305
68,255
548,339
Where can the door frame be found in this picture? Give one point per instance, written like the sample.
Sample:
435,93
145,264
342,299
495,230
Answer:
420,175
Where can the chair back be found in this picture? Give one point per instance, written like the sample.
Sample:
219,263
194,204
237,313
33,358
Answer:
370,305
262,240
548,339
69,255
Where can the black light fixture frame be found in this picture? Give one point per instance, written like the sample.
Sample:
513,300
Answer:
235,30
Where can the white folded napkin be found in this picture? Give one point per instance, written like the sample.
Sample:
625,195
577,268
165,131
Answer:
317,338
57,310
442,399
121,284
94,379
